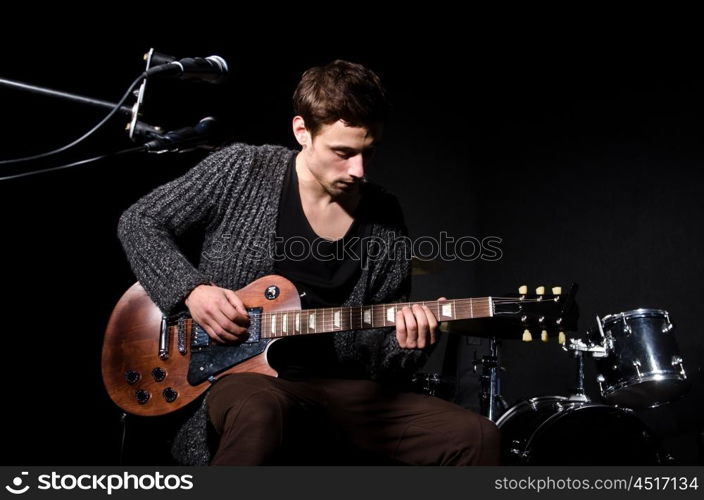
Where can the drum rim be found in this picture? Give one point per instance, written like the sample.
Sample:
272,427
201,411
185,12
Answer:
562,413
528,402
646,377
642,312
609,391
550,398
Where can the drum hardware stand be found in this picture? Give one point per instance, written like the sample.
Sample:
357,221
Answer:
577,348
578,394
491,403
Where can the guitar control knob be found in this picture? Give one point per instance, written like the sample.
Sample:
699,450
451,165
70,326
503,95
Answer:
142,396
132,377
169,394
159,374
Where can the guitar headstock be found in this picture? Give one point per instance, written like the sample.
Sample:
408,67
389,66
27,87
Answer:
544,314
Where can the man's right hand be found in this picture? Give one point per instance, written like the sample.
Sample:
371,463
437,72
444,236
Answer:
220,312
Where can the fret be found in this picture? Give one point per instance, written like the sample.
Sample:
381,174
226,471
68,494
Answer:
284,324
311,321
297,323
471,308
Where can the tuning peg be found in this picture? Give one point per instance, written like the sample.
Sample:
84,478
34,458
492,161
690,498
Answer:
544,335
523,289
540,290
527,337
557,290
561,338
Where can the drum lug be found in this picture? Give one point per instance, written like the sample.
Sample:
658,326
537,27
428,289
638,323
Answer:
636,365
626,326
677,361
600,380
668,324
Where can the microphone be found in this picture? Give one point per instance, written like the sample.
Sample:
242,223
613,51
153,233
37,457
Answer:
184,139
212,69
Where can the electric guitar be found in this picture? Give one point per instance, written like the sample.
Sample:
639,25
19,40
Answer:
153,364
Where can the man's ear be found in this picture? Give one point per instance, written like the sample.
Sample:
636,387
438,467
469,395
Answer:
300,132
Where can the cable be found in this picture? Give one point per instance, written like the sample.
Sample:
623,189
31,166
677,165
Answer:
80,139
74,164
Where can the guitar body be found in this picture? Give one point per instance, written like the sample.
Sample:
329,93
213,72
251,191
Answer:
154,365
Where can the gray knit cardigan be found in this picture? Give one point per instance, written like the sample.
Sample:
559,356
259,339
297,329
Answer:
231,199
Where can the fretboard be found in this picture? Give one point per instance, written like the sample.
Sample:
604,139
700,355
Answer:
335,319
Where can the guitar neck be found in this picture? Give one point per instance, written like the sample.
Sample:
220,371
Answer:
335,319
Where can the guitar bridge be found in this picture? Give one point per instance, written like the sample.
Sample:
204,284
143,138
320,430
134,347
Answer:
200,338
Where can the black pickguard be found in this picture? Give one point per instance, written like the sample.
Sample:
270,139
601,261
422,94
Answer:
208,358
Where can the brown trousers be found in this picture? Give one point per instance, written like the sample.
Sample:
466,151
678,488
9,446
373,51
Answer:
267,420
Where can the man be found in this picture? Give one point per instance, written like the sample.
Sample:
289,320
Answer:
341,384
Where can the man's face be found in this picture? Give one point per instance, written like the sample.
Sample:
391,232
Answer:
338,156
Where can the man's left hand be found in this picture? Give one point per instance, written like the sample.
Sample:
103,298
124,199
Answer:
416,326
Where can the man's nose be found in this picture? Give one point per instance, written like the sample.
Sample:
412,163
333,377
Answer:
356,166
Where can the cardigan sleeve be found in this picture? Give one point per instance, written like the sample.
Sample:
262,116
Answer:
148,229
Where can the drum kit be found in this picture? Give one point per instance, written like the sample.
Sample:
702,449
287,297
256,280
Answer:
638,366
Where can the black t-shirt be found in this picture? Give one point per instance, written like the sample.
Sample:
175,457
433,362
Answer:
324,273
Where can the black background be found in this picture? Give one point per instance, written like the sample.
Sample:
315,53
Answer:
581,146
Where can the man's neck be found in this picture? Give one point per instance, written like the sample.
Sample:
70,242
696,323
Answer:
313,193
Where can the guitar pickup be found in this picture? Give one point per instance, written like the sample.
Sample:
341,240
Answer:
164,339
201,339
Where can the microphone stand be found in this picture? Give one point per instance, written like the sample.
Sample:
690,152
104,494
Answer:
134,127
63,95
160,141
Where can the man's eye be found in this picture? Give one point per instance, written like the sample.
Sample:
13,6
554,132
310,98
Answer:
343,155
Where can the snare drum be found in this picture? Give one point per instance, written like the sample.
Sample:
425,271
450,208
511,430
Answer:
552,430
642,367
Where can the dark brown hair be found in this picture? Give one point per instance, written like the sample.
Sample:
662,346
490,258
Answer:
340,90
